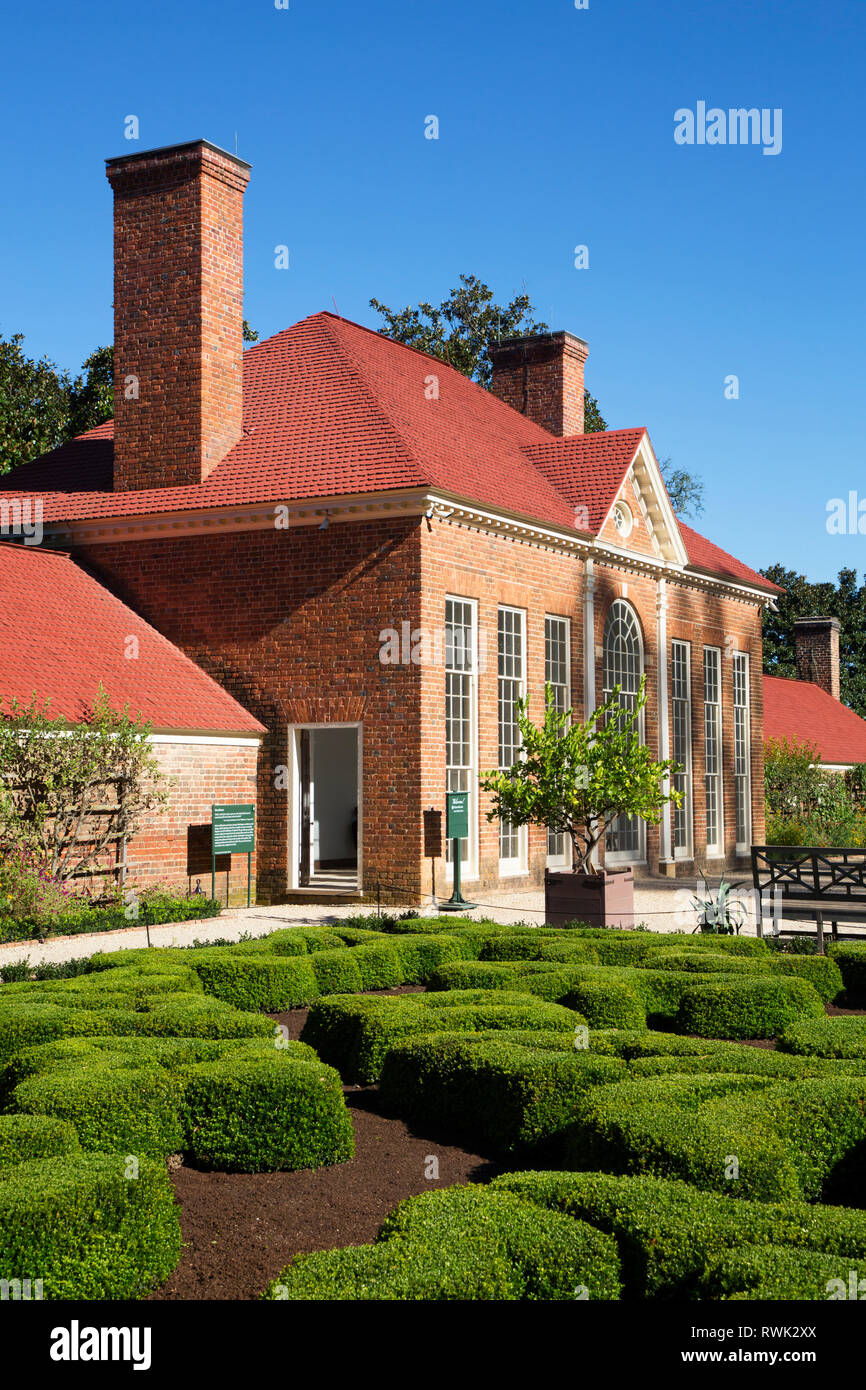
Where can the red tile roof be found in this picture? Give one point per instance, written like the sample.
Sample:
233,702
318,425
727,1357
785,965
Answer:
710,558
61,633
332,408
589,469
803,711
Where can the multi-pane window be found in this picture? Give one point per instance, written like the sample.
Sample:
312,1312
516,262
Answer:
512,684
557,674
623,667
681,744
742,770
713,749
460,705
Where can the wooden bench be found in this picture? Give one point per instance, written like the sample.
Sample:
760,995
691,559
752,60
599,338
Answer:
794,882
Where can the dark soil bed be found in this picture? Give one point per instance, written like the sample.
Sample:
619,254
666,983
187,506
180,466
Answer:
241,1229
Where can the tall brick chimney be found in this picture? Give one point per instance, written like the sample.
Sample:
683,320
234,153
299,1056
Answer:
817,649
178,312
542,377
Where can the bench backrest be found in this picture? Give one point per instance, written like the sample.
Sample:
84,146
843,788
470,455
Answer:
837,875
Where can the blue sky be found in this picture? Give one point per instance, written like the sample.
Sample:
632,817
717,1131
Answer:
556,130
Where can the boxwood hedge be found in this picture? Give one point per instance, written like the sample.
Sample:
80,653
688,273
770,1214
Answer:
462,1243
752,1136
746,1008
850,957
826,1037
355,1034
669,1233
499,1094
88,1229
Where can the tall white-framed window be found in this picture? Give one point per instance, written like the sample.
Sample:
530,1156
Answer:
511,646
742,751
557,674
681,745
461,719
713,751
623,667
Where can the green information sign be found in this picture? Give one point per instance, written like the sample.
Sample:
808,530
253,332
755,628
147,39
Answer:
457,826
233,831
457,829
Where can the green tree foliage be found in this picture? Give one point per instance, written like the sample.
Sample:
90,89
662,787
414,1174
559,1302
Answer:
577,778
845,600
91,400
461,331
42,407
68,793
34,405
685,490
463,327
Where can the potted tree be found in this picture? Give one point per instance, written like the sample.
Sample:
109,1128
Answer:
577,778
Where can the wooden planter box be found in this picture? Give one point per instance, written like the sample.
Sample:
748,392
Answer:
599,900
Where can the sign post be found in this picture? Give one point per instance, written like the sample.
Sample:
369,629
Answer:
233,831
456,829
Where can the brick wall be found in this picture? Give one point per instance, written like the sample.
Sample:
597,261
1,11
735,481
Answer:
288,622
173,846
178,313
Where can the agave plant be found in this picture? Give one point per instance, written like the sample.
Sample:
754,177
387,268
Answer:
720,912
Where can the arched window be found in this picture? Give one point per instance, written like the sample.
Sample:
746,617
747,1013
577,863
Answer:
623,666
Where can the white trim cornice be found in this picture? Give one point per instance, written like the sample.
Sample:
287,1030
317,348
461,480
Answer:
448,510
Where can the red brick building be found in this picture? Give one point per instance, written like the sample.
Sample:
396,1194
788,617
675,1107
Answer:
62,636
809,709
376,557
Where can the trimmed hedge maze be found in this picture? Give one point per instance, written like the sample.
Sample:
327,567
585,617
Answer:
670,1156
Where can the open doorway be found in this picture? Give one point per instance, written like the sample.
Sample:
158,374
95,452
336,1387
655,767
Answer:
328,838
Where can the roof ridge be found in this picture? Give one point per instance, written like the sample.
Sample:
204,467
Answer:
368,390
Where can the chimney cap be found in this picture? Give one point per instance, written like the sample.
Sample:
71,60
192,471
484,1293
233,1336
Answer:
548,339
819,622
120,160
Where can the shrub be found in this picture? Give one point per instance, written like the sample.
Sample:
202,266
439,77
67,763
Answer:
380,964
543,979
257,981
496,1093
746,1008
252,1113
790,1139
336,972
669,1231
133,1110
765,1272
607,1004
826,1037
678,1127
463,1243
187,1015
850,957
23,1137
423,953
30,1021
820,972
81,1226
355,1034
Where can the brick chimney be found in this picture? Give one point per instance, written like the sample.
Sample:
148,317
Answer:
542,377
178,312
817,648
